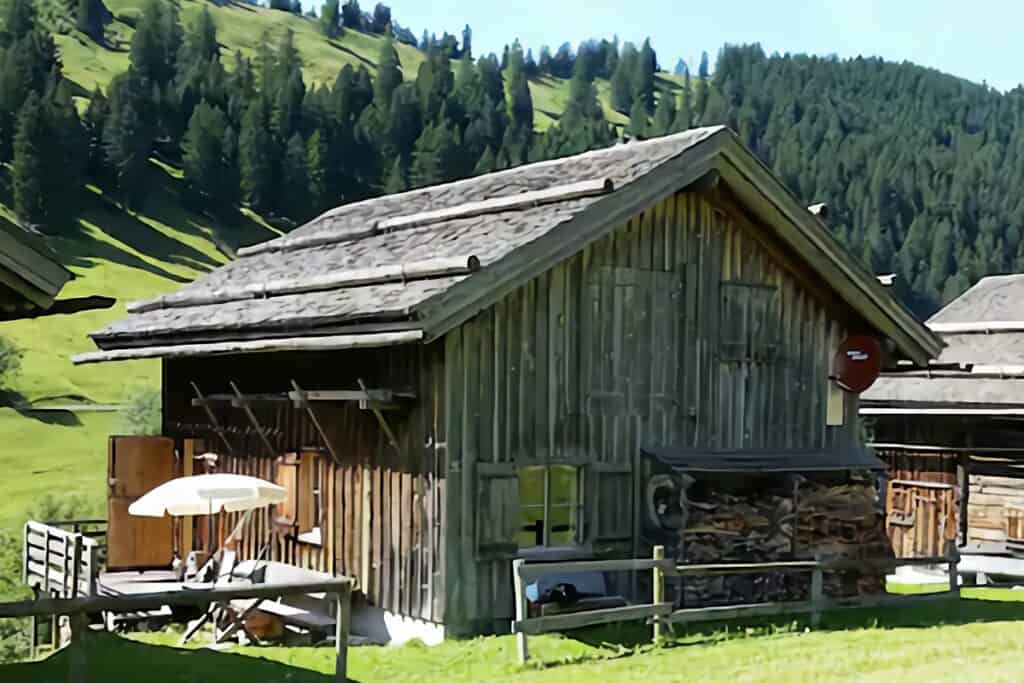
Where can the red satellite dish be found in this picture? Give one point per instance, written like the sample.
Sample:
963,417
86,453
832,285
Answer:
857,363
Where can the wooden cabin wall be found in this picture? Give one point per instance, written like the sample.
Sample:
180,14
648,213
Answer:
386,505
685,327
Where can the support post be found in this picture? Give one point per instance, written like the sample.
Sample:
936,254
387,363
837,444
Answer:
342,622
521,610
658,592
954,577
817,594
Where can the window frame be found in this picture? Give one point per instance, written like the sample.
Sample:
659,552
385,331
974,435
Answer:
546,507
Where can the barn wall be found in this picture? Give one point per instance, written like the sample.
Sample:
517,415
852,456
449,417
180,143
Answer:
640,339
387,507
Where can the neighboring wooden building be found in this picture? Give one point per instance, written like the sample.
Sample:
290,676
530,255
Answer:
957,426
474,368
31,276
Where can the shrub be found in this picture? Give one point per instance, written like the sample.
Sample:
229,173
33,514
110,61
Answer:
140,413
10,361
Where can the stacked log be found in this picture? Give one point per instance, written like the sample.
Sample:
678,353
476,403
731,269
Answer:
824,522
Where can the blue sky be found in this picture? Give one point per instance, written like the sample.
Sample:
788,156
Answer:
979,40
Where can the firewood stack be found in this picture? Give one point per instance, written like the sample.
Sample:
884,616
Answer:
843,523
830,522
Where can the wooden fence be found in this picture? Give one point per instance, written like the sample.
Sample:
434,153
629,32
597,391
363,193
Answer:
80,608
663,613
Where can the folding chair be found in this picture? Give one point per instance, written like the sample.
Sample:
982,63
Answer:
215,610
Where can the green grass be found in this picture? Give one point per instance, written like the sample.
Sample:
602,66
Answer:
64,455
114,252
967,640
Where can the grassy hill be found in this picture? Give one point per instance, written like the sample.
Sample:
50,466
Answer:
151,250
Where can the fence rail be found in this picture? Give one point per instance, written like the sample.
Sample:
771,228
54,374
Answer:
664,614
79,608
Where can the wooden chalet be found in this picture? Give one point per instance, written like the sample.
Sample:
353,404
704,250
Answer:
493,368
953,434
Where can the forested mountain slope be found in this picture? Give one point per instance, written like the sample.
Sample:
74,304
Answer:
923,172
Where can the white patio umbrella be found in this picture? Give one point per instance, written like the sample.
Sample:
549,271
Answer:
205,494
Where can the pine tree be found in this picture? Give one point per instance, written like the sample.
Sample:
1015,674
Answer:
352,15
128,135
684,116
295,199
701,102
18,18
90,17
643,77
664,115
389,73
330,19
435,156
95,119
486,164
621,85
396,181
230,184
467,43
287,115
517,95
256,154
380,19
202,150
638,128
27,171
317,162
156,41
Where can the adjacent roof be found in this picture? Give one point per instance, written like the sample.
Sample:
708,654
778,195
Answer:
513,240
981,366
766,460
30,274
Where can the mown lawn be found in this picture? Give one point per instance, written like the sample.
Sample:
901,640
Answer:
969,640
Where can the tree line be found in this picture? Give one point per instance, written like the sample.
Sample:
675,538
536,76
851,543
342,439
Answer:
257,134
921,170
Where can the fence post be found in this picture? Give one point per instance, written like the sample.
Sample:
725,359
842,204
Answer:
76,565
521,612
342,624
817,594
658,591
954,577
77,655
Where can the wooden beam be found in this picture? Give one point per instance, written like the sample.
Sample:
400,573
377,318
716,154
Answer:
357,277
383,423
301,399
563,622
327,343
522,200
214,422
180,598
244,405
382,395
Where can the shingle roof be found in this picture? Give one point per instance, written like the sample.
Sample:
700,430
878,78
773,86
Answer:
997,298
489,237
993,298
